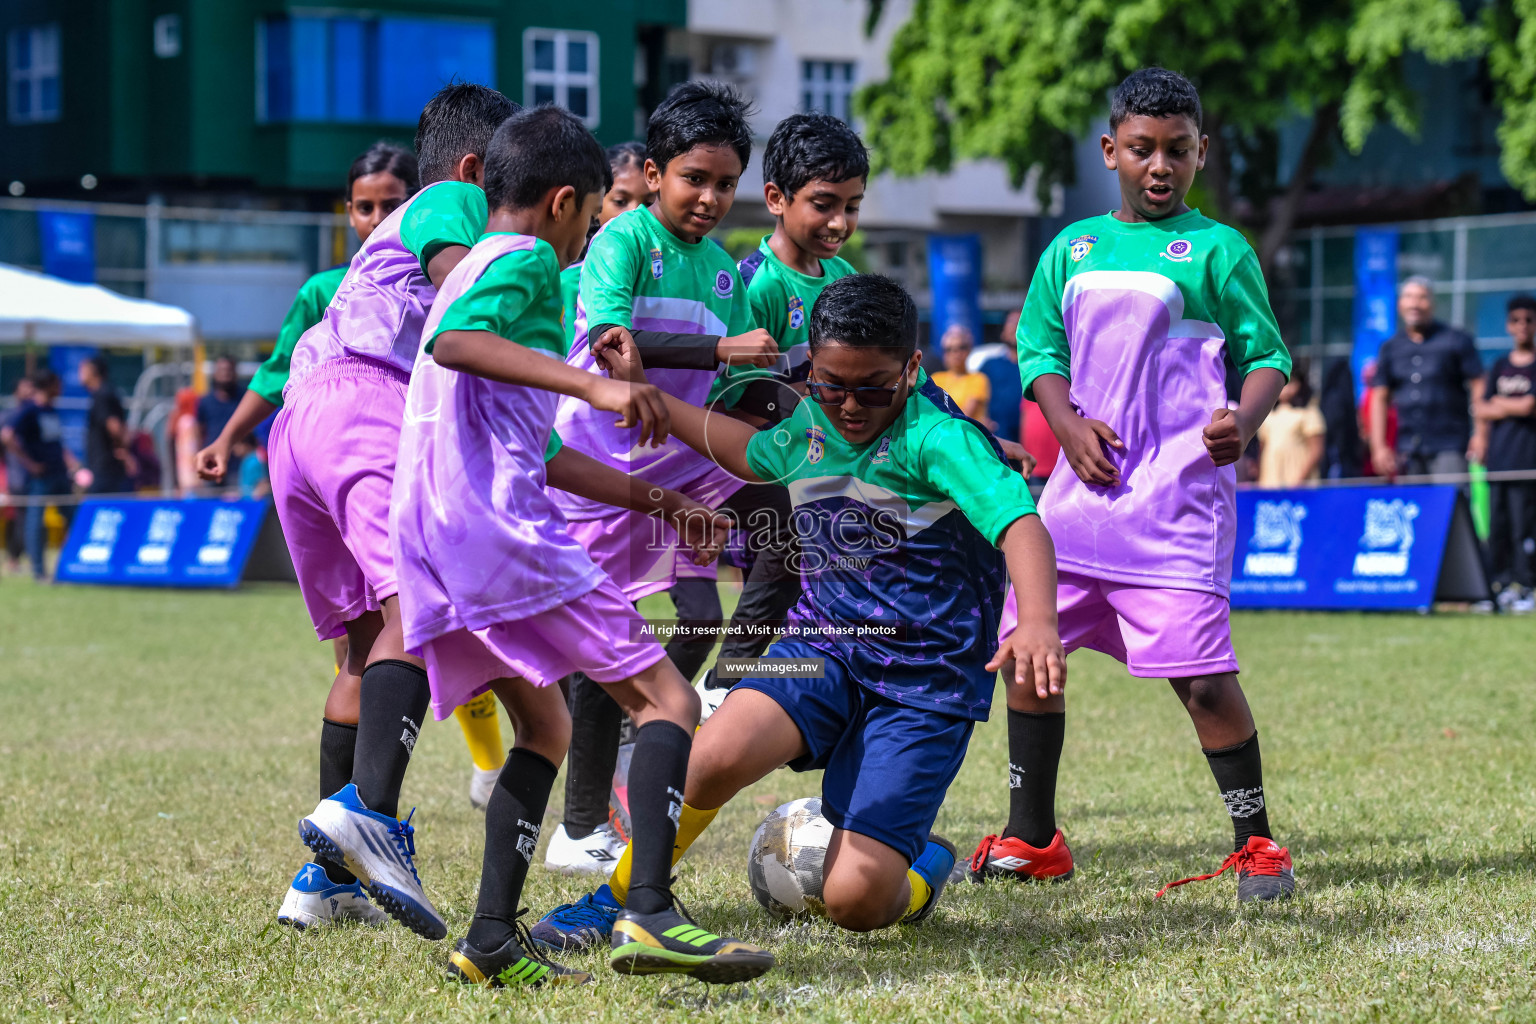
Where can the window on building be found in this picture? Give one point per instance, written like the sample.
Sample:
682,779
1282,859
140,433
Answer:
349,68
561,67
32,59
827,86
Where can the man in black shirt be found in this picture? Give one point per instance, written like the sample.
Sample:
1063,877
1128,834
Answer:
1432,375
1506,428
106,431
36,437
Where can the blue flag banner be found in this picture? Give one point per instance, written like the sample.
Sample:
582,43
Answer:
954,274
69,244
1355,547
1375,295
196,542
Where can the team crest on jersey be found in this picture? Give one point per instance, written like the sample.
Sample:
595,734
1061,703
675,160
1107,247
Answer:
1082,245
1178,250
656,263
725,281
818,445
796,313
883,453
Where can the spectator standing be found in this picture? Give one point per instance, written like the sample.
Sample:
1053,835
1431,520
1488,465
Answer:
1291,438
1341,450
216,407
1506,432
106,432
15,480
36,436
999,363
969,390
1431,374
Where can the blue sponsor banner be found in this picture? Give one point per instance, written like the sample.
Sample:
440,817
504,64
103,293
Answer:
954,273
196,542
1375,295
1341,547
69,244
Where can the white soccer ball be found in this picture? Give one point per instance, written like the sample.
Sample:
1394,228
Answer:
785,864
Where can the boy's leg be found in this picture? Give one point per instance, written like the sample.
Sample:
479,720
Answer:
1230,740
582,843
1522,505
865,883
393,701
482,735
697,601
1503,541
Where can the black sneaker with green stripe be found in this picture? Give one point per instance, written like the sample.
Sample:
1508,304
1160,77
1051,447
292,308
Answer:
508,966
669,942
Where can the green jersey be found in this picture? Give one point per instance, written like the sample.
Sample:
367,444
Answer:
308,306
453,213
902,581
570,289
781,299
1140,318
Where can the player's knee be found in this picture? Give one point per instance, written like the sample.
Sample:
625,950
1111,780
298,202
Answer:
1208,695
862,906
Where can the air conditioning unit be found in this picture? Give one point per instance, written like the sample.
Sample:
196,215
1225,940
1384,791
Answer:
733,60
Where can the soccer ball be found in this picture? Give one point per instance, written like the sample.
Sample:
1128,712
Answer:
785,864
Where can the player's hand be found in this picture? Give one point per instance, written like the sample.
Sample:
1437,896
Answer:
1014,452
755,348
1477,448
1083,446
1039,661
698,526
213,461
1223,437
636,404
617,353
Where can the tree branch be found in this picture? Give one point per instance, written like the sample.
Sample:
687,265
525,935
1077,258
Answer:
1283,212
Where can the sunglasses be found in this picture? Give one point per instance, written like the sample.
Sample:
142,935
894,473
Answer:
869,398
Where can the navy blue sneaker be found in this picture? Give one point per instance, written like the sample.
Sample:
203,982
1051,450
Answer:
380,851
585,924
935,864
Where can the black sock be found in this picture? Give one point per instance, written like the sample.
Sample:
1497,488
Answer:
337,743
595,722
1240,777
512,820
1034,753
657,772
392,706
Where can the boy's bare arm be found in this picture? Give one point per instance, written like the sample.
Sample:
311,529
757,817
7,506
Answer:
1082,440
443,262
1039,662
495,358
721,439
1230,430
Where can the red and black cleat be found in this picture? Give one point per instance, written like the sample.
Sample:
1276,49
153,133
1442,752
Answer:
1263,871
1002,857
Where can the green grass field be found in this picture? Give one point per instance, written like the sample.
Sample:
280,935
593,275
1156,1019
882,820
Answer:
157,750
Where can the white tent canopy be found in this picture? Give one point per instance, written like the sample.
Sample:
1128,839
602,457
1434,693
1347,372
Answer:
44,310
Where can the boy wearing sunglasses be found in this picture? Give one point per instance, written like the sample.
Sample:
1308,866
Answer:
907,518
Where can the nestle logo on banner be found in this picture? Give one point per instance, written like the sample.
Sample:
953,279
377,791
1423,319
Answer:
1388,538
103,537
1277,533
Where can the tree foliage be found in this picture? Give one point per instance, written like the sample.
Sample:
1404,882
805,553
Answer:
1512,66
1019,80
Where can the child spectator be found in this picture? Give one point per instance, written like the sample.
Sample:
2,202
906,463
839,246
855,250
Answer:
1291,438
1506,431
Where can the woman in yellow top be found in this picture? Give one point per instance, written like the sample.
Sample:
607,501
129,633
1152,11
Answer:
1291,438
971,391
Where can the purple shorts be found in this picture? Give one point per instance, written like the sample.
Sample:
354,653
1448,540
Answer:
331,456
592,634
1158,633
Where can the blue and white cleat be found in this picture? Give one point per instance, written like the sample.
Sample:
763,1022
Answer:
585,924
313,900
379,851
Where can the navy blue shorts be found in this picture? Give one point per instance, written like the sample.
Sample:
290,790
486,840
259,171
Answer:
887,766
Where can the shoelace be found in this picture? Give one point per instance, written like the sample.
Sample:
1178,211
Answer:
1260,862
524,939
979,858
584,912
405,841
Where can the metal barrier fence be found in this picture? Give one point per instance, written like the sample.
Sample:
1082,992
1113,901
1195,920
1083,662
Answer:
1477,263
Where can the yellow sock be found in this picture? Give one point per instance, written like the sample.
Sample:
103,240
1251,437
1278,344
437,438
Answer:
482,731
920,891
690,824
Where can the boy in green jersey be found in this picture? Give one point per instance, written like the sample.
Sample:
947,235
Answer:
1129,321
814,172
909,522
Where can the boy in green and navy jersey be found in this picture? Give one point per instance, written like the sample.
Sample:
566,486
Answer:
814,173
901,507
1123,340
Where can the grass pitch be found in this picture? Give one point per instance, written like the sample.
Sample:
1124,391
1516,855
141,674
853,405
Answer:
158,748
